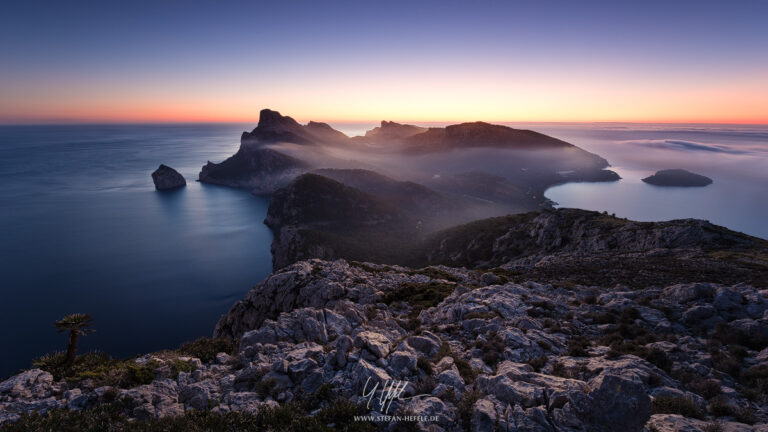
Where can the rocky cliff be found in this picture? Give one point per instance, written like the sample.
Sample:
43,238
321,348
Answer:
564,245
477,351
261,170
280,148
274,127
318,217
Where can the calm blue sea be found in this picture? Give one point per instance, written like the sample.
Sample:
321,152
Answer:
734,156
83,230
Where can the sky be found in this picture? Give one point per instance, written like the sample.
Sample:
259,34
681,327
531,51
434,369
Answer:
179,61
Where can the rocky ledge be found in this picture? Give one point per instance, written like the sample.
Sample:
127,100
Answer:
477,351
166,178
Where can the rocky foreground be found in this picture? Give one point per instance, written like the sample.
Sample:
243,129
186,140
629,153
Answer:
482,353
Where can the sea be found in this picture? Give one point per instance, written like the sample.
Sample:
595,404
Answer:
82,229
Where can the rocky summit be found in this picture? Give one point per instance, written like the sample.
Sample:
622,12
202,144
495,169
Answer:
473,351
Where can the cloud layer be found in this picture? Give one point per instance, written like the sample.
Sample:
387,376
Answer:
680,145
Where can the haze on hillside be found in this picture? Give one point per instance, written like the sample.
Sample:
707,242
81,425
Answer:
435,177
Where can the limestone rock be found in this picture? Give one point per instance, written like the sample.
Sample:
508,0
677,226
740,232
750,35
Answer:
166,178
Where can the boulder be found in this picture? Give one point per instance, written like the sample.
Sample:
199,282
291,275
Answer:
166,178
617,402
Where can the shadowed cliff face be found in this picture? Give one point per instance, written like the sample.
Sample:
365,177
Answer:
320,217
565,245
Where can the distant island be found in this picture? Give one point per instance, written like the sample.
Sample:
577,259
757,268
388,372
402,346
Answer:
679,178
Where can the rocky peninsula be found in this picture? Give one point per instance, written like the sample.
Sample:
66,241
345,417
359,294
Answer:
280,149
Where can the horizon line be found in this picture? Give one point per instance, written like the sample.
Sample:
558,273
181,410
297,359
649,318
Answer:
414,122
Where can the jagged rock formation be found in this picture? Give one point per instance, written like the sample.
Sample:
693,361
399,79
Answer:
564,245
582,246
274,127
678,177
482,352
166,178
389,133
262,170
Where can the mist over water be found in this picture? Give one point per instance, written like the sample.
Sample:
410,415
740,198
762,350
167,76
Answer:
734,156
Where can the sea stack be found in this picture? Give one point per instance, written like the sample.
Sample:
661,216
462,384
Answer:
166,178
678,177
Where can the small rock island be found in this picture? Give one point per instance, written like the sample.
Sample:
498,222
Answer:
678,177
167,178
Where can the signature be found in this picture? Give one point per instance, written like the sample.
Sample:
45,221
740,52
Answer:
391,391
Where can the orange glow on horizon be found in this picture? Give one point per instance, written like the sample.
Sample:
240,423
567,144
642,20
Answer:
443,101
183,115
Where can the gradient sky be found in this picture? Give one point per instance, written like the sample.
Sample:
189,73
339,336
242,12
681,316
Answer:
104,61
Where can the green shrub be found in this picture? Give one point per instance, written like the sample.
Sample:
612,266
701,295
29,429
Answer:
728,335
425,365
629,315
719,407
676,405
424,385
707,388
558,369
206,348
577,347
105,370
658,358
465,370
755,379
608,317
492,347
538,363
465,407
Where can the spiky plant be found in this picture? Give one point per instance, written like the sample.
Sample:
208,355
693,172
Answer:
76,324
